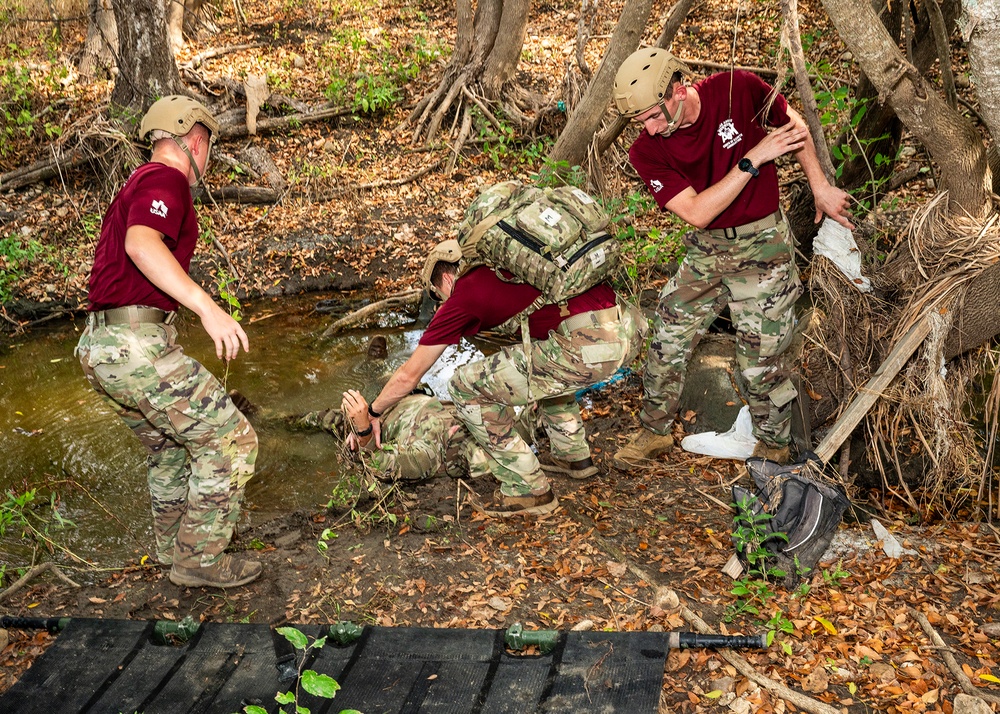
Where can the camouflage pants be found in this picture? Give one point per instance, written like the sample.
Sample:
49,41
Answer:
201,448
422,438
485,394
756,276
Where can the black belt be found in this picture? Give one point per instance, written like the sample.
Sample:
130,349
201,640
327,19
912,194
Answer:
747,228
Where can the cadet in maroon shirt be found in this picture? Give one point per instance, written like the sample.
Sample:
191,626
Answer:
572,346
707,154
201,447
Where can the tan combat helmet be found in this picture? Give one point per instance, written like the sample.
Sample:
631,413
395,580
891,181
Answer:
176,114
448,251
643,79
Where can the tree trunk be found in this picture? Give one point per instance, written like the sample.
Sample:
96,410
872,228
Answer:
175,24
980,26
146,68
880,120
581,130
949,136
575,139
977,319
102,41
184,21
479,75
501,63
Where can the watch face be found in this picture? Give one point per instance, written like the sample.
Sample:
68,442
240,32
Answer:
746,165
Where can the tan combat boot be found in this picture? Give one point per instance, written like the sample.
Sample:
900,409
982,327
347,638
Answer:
584,468
641,448
531,504
778,454
228,572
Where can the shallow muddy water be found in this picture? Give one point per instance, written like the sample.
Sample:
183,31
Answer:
58,435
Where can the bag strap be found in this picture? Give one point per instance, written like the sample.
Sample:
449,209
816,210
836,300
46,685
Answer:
476,234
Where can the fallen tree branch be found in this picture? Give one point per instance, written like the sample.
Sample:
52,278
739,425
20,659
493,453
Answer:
41,170
238,194
407,298
214,52
240,128
379,184
48,567
949,659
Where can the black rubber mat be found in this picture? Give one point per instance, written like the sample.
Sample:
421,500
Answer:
114,667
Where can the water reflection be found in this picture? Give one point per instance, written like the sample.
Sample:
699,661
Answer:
54,428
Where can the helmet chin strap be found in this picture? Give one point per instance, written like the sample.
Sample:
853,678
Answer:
673,122
187,152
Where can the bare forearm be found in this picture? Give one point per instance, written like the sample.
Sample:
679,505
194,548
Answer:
146,249
809,161
701,209
399,385
157,263
407,377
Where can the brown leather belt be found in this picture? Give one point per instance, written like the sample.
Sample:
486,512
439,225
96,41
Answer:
747,228
133,314
595,318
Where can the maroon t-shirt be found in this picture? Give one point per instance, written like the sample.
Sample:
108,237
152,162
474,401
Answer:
481,301
156,196
700,155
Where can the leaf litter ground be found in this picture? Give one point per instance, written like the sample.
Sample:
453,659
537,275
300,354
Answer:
618,540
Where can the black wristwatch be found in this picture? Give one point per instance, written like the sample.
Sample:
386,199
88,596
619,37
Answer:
747,165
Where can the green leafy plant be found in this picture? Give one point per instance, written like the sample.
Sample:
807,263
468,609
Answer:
753,591
16,254
375,93
559,173
227,286
323,544
36,518
644,250
19,94
833,577
318,685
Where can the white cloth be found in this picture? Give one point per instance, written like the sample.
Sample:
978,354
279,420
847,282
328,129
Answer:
737,443
837,243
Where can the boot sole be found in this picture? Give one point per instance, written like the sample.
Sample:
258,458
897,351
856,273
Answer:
533,511
579,475
632,462
186,581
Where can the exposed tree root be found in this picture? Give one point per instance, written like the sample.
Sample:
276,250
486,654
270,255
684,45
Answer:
462,99
409,299
37,570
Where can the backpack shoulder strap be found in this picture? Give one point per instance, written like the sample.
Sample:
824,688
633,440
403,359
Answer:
478,231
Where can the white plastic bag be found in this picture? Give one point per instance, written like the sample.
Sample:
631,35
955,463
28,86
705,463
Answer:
837,243
737,443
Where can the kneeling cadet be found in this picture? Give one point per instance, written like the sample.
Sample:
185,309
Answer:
571,345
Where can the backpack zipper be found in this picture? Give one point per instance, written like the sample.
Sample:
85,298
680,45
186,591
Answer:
586,248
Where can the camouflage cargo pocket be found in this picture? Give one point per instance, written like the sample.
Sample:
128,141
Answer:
783,394
106,347
602,352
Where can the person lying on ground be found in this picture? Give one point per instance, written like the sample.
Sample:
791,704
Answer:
421,438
